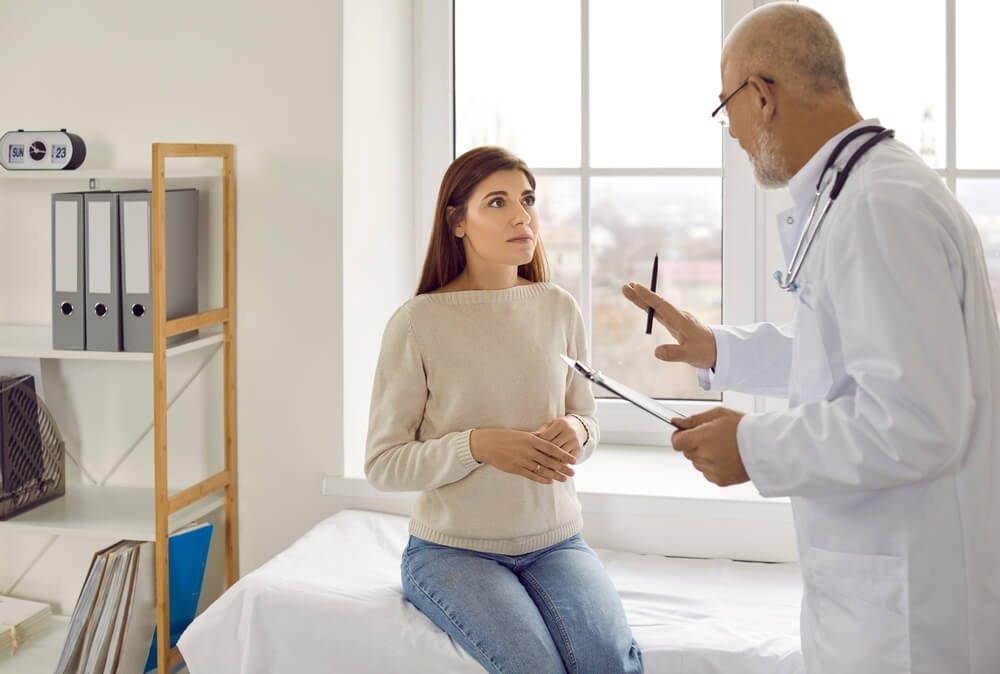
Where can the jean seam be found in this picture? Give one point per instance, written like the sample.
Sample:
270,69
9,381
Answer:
461,629
550,605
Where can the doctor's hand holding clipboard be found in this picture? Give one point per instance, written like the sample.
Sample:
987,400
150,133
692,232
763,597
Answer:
707,440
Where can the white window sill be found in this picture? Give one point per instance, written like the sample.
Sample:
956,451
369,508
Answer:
647,470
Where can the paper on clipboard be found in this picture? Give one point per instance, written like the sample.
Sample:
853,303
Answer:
640,400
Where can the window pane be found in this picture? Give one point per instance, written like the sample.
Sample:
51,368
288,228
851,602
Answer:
517,78
633,219
982,199
654,79
977,97
896,66
558,205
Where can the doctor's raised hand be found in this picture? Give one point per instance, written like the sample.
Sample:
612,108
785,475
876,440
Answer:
707,440
695,340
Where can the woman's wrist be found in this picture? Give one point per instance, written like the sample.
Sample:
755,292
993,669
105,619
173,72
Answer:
586,431
477,449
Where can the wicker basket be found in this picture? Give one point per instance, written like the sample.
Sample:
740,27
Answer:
32,451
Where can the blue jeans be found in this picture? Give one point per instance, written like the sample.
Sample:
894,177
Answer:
553,610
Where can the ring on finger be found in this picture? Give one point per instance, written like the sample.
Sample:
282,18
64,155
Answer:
538,467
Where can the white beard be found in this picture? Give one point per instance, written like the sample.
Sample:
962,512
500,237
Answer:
767,168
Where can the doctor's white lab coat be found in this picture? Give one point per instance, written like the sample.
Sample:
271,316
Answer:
890,447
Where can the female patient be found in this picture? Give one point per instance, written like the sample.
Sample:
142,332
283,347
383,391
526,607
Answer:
473,407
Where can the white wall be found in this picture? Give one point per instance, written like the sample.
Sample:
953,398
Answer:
267,77
378,265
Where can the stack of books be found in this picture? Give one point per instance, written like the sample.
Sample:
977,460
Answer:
20,620
113,627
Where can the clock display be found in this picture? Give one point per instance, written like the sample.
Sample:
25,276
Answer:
37,150
15,154
58,153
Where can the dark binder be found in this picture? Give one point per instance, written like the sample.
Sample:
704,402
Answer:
103,272
68,266
181,222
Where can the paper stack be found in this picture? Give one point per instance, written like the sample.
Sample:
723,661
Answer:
20,619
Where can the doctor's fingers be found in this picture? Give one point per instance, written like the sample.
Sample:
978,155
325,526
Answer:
696,420
685,441
665,312
673,353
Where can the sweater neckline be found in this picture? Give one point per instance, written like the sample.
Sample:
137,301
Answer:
513,293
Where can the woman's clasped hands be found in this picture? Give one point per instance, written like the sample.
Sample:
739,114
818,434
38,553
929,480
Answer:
544,455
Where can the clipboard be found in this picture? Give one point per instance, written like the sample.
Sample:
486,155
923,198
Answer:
640,400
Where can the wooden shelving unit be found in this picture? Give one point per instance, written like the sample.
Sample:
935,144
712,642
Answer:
162,328
146,513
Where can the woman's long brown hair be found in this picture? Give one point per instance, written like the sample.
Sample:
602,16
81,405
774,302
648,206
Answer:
445,258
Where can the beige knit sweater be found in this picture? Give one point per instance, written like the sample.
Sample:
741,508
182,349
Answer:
453,362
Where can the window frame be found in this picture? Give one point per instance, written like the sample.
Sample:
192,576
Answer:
620,422
749,250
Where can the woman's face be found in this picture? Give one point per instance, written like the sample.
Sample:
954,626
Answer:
501,224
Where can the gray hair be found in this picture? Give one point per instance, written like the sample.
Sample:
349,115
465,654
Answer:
795,45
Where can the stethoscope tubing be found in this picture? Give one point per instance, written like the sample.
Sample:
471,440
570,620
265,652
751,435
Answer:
788,280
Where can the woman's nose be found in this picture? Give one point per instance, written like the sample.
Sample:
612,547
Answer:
522,216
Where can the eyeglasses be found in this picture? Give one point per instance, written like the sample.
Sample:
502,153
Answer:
720,114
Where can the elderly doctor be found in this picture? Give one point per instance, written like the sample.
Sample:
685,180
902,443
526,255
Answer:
890,446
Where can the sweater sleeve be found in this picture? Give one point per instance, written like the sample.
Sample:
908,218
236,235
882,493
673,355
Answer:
579,396
395,460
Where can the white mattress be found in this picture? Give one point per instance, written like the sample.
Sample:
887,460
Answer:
332,602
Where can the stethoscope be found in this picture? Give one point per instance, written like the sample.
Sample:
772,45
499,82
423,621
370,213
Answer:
787,281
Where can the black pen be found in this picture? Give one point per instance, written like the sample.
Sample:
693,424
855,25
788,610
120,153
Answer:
652,286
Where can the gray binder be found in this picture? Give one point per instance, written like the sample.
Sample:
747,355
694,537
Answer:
68,311
137,268
103,264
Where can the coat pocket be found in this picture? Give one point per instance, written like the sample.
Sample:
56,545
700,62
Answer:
855,614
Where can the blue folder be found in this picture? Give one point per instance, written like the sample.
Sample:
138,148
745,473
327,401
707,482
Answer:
187,553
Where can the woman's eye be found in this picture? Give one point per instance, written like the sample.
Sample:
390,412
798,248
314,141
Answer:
529,200
496,203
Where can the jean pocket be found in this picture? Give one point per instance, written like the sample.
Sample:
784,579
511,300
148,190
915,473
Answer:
856,612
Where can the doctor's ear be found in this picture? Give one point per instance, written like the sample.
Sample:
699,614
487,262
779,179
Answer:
763,91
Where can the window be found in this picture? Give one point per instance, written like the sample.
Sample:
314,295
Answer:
976,173
607,101
625,171
935,87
